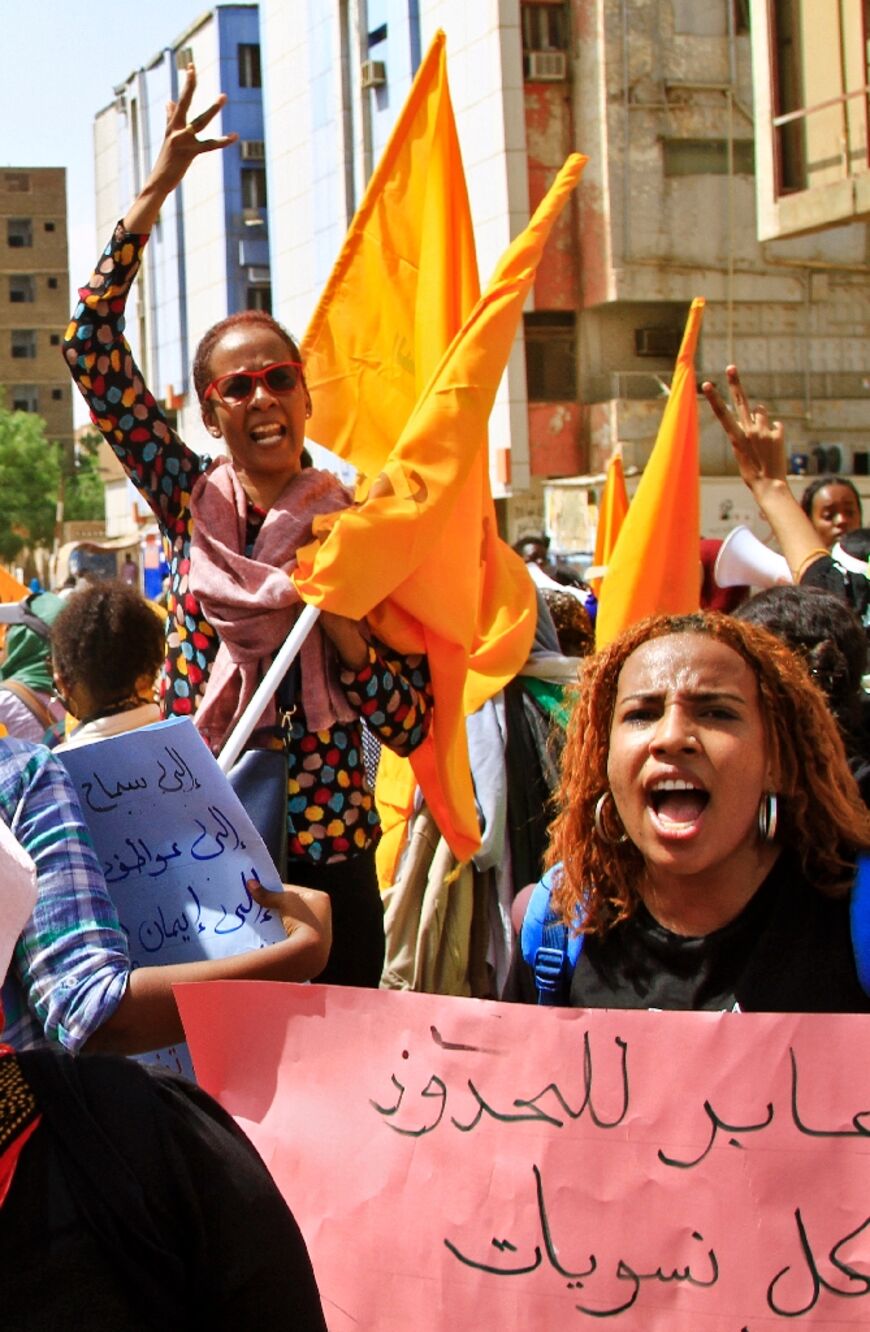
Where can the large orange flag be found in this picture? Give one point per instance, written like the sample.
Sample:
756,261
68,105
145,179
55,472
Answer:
655,566
410,558
611,514
401,288
403,284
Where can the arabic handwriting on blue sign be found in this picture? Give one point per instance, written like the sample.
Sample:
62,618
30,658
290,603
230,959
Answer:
157,931
175,777
138,857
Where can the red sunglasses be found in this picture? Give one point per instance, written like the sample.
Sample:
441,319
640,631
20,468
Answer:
237,387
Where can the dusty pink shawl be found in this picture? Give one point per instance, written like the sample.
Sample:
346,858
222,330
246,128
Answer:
251,601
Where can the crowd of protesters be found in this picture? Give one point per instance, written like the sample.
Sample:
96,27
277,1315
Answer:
674,822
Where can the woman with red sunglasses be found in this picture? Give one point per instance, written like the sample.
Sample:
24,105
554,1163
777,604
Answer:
234,526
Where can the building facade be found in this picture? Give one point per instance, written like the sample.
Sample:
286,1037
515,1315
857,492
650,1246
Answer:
679,106
34,296
209,252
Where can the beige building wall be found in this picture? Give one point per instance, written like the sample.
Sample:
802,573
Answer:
662,95
34,295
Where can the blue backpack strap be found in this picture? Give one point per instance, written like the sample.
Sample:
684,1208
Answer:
548,946
859,913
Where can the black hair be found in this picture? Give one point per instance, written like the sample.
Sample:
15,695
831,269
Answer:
819,483
826,634
857,543
105,638
201,373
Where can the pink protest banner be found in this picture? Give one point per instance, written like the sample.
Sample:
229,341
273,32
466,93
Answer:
461,1165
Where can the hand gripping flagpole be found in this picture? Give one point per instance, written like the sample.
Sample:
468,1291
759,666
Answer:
286,655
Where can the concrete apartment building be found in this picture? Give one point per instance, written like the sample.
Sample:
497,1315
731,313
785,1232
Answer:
659,94
209,252
34,296
728,158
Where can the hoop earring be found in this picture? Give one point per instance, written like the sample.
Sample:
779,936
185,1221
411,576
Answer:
768,816
598,820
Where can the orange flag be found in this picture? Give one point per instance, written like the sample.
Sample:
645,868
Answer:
654,566
611,513
402,286
410,558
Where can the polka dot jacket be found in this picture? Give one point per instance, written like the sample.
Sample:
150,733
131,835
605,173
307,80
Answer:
331,811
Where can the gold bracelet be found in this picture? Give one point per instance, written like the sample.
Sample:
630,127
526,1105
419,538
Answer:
808,560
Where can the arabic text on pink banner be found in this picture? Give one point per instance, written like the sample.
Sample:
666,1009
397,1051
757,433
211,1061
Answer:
457,1164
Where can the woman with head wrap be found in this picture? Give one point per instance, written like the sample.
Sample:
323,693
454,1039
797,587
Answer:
28,708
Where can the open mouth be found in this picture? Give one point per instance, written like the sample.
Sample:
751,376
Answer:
267,434
677,804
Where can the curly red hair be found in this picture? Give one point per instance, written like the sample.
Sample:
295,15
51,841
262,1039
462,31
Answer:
822,817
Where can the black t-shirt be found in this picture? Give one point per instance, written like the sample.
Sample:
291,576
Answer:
789,950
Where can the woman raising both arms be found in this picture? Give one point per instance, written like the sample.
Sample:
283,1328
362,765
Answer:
234,527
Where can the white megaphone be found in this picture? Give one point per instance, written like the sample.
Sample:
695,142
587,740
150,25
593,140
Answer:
744,559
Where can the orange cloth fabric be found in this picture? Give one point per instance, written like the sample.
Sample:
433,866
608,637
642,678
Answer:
654,565
410,558
400,290
611,514
11,589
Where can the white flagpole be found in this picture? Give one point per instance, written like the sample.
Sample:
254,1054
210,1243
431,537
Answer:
286,655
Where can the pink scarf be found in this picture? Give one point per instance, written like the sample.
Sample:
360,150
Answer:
251,601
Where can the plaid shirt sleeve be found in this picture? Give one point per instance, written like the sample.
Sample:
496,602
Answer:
71,963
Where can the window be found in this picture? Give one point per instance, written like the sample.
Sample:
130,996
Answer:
22,289
821,123
54,340
52,284
699,157
249,65
57,395
253,187
16,182
19,232
544,27
551,362
23,344
49,226
25,398
259,298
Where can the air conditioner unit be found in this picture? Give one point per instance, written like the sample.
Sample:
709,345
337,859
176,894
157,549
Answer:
547,66
373,74
253,150
657,341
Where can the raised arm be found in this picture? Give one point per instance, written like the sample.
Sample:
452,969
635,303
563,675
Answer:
759,447
98,355
180,147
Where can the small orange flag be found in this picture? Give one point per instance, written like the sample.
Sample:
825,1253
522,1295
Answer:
393,559
655,565
611,514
